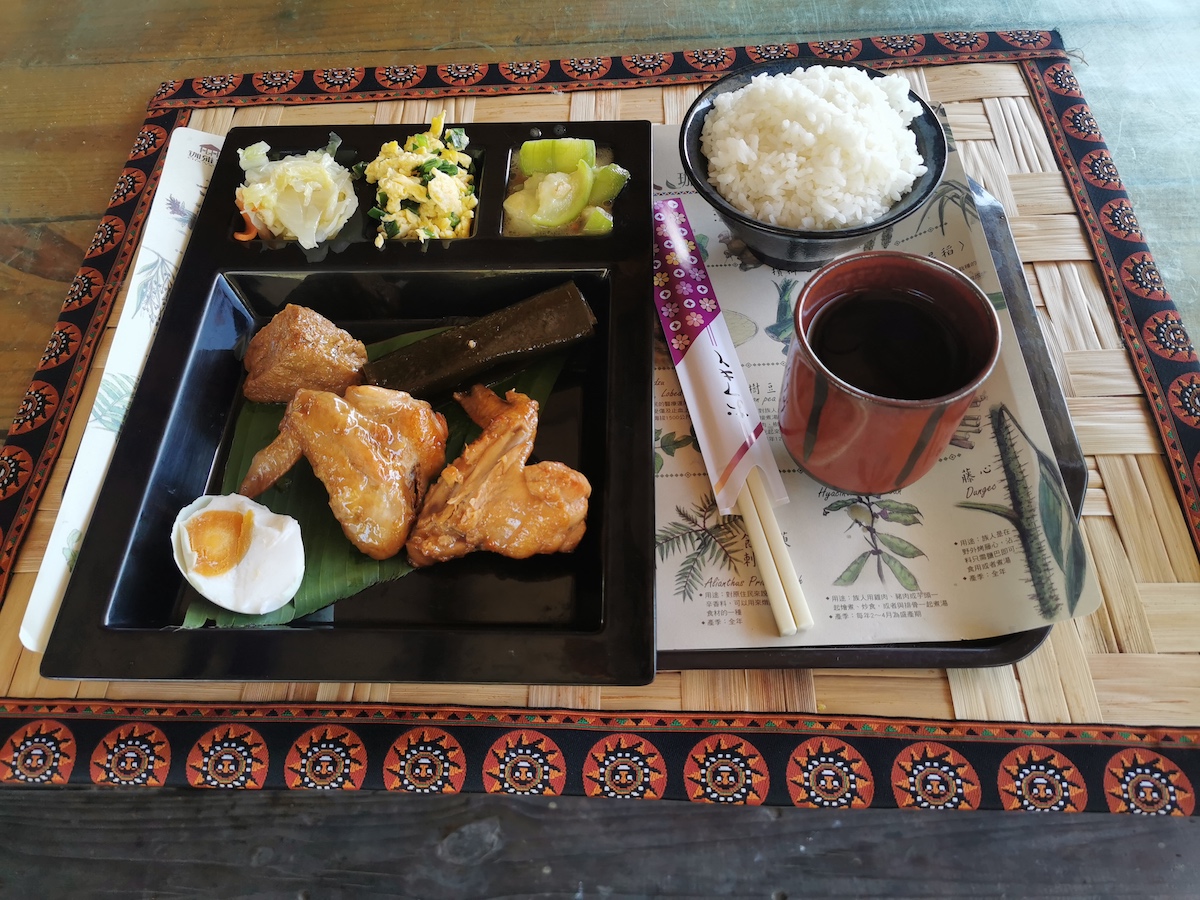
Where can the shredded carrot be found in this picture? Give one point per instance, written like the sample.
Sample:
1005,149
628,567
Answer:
250,233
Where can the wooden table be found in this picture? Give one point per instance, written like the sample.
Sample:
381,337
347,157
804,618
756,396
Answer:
49,248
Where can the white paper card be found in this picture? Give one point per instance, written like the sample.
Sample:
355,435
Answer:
191,156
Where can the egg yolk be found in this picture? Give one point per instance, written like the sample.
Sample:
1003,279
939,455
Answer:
219,538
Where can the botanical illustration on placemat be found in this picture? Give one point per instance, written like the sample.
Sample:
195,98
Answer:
946,559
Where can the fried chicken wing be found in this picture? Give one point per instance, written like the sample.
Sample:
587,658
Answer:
489,499
272,462
300,348
375,451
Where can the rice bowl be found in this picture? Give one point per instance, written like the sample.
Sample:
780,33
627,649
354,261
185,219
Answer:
822,147
805,163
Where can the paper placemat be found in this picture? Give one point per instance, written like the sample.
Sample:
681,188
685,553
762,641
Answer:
919,565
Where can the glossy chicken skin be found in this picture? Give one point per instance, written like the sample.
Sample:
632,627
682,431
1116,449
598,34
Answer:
375,451
489,499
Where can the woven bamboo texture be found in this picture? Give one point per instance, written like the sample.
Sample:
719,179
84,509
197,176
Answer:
1136,661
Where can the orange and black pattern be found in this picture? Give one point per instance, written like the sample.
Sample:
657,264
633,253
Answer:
1163,353
589,72
814,762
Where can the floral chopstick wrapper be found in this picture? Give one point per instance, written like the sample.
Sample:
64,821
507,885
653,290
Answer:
724,416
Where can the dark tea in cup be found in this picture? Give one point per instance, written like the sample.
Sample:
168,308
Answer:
889,350
891,342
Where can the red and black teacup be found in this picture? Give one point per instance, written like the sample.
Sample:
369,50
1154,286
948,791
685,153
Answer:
889,351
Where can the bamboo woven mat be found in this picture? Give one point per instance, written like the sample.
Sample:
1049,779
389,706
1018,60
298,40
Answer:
1136,661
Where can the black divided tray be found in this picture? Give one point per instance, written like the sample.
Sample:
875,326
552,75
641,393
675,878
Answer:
580,618
949,654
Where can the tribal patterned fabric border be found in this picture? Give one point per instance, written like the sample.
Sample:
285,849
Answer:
816,762
589,73
1163,352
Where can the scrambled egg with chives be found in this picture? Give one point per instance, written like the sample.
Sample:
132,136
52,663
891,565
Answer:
426,188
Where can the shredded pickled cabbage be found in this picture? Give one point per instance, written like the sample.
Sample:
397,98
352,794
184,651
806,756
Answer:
307,198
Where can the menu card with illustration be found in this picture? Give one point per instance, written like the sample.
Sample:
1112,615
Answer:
191,156
984,545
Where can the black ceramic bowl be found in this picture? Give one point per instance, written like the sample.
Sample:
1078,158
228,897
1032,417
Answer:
787,248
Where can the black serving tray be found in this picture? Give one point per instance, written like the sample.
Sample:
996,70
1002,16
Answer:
580,618
1065,445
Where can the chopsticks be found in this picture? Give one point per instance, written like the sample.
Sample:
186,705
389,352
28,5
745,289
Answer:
724,416
771,554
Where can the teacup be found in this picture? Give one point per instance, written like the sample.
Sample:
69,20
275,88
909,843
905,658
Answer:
888,353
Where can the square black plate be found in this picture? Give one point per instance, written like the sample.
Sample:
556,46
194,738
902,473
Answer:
580,618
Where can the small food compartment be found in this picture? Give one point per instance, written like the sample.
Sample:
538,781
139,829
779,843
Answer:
579,617
304,195
419,186
562,186
424,186
596,175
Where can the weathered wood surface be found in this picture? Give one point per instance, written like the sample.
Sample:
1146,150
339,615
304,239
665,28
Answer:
159,844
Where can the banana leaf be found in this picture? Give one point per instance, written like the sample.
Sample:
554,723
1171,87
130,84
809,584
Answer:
335,568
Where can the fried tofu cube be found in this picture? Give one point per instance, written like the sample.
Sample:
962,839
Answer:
300,348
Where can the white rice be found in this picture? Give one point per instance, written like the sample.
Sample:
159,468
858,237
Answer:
819,148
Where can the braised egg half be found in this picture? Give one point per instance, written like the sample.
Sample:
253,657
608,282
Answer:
239,554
